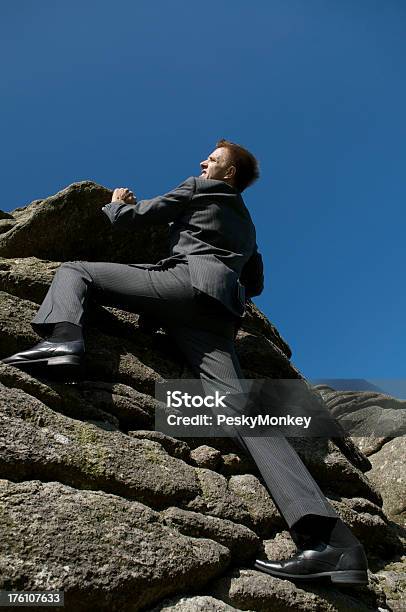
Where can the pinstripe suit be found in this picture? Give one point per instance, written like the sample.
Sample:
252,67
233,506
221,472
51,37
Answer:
199,294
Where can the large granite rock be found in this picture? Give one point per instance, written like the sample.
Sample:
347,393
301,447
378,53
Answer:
251,590
241,541
371,417
36,442
384,418
95,502
388,473
105,552
70,225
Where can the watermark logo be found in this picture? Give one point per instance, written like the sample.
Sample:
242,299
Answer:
272,407
178,399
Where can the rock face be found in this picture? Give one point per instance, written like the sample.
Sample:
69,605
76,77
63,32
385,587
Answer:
389,475
385,417
372,417
94,502
107,552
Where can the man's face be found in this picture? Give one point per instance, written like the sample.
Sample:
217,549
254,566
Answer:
218,166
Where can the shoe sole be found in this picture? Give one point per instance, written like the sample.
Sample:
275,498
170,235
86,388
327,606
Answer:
69,360
67,369
342,577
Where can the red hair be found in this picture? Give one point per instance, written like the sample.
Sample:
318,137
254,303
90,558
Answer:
247,167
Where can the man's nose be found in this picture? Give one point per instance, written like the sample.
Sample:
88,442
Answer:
203,164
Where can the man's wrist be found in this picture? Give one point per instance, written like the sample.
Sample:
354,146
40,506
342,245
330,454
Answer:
123,202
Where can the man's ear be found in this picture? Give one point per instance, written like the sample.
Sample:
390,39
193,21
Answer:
231,172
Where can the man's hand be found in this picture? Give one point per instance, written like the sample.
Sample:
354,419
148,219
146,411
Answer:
123,194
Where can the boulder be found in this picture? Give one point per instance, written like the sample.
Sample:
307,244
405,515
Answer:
80,230
206,457
216,499
105,552
251,590
241,541
370,417
36,442
388,473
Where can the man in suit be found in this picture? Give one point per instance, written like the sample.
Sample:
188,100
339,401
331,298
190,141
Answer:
198,293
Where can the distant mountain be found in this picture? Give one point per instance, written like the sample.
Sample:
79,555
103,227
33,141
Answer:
347,384
395,387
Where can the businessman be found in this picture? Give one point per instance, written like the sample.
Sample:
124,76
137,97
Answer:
198,293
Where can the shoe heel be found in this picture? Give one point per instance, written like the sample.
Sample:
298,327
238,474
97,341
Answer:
71,360
350,577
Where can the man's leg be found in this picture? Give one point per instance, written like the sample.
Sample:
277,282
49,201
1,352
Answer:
212,357
62,312
137,287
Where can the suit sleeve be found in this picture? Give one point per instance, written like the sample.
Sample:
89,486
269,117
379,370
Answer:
159,210
252,274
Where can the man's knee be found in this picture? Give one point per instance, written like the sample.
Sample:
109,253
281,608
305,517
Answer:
78,267
73,265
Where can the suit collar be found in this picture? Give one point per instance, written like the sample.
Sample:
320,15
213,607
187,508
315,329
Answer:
215,185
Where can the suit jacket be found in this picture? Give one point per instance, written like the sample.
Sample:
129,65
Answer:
212,229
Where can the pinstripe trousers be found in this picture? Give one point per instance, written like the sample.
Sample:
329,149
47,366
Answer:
203,329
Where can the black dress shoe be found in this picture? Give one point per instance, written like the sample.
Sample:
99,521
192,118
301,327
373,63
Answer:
49,354
342,565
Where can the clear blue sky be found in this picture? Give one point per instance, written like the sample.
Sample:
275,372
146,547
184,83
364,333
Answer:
136,93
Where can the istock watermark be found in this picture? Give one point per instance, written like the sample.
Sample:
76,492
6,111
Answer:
191,408
177,399
267,407
261,420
